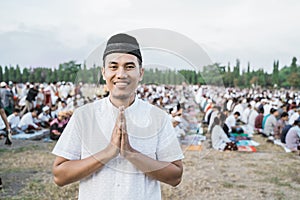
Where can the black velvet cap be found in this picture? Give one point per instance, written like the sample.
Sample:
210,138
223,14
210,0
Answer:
123,43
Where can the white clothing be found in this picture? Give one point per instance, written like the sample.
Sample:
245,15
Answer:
13,120
238,108
27,119
252,117
230,122
214,114
219,138
294,117
44,117
89,131
269,125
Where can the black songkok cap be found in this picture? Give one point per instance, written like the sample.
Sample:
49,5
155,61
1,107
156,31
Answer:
123,43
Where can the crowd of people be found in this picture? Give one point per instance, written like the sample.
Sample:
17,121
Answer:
275,114
34,106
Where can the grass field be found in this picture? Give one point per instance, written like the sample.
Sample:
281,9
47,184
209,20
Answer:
270,173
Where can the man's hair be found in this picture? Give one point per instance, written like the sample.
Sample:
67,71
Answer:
237,113
284,114
273,110
123,43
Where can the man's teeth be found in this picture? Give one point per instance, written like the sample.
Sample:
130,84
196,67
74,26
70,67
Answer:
120,83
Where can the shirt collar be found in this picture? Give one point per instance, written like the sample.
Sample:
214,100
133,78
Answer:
131,108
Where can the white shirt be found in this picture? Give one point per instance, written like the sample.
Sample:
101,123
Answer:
89,130
13,120
27,119
294,117
44,117
230,122
219,138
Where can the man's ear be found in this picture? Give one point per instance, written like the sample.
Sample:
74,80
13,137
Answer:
142,70
103,73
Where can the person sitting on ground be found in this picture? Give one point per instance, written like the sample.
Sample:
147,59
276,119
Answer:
58,125
219,139
281,123
14,120
293,137
259,121
27,123
294,116
231,122
45,117
180,133
271,123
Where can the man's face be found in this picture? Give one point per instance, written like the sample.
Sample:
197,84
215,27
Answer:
286,118
122,74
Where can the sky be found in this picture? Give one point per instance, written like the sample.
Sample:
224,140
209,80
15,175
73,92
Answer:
40,33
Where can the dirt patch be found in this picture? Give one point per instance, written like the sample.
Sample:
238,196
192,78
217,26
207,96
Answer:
270,173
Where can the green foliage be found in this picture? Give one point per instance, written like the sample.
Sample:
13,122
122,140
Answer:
215,74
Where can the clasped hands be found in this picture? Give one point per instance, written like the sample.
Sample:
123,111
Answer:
119,143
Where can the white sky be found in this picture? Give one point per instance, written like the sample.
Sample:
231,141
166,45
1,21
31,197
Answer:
46,33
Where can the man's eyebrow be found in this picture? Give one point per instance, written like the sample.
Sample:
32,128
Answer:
130,63
112,62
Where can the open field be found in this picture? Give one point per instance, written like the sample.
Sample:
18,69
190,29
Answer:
25,169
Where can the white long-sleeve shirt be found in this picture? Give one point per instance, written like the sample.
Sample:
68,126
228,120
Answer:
27,119
13,120
219,138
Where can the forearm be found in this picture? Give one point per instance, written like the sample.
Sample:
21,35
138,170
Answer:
69,171
166,172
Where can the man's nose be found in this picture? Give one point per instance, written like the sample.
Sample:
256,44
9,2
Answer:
121,73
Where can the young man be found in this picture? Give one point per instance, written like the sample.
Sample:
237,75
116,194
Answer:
231,122
119,147
271,122
27,122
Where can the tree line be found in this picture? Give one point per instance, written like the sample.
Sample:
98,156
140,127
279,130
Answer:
215,74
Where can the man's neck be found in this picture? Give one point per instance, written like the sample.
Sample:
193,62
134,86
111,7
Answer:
122,102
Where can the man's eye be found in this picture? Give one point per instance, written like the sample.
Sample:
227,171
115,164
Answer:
113,67
130,66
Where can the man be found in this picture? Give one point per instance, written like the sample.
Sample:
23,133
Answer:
32,93
14,120
280,124
231,122
6,98
271,123
4,119
293,137
45,117
119,147
27,122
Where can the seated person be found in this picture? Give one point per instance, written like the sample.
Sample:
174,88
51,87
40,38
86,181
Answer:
27,123
180,133
231,123
58,125
259,120
281,123
13,120
219,139
45,117
292,138
270,123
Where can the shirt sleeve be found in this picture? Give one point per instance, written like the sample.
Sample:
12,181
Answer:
168,148
69,143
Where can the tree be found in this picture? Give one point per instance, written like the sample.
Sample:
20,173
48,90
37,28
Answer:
18,78
1,73
275,73
25,76
6,74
